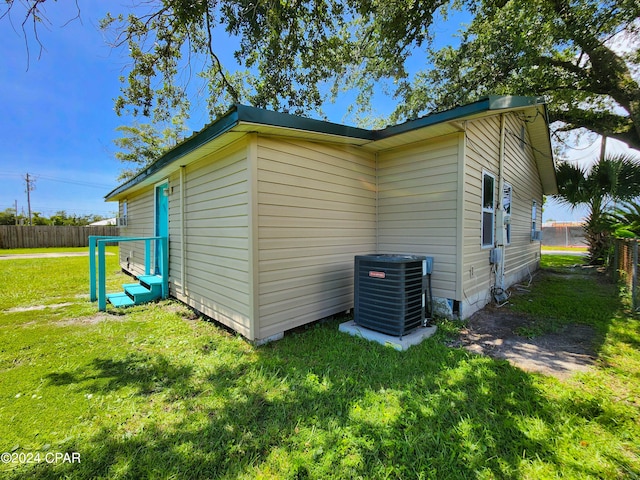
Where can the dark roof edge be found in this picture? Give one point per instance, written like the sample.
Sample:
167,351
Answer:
236,114
488,103
213,130
285,120
241,113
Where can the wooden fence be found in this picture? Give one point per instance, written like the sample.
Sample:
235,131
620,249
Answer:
626,267
38,236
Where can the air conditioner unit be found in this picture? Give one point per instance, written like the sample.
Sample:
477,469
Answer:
121,221
390,293
536,235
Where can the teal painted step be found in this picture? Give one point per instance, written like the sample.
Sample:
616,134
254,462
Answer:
151,281
149,289
120,299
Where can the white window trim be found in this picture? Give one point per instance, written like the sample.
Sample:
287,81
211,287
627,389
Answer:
491,210
534,219
507,227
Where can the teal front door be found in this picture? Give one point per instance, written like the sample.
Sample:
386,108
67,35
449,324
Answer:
162,222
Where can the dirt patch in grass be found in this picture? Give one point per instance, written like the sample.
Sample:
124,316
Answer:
494,332
91,320
22,256
37,307
183,310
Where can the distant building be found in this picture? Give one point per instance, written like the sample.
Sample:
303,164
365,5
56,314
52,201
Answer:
100,223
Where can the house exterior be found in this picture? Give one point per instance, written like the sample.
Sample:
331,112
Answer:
265,211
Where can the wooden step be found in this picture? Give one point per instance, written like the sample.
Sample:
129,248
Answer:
149,289
150,281
120,300
141,294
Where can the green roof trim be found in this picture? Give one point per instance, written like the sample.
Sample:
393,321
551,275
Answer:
213,130
285,120
237,114
491,102
246,114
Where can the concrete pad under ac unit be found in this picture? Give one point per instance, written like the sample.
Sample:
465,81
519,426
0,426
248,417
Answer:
414,337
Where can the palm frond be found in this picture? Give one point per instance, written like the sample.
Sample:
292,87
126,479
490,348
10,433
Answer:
626,220
572,186
627,186
613,178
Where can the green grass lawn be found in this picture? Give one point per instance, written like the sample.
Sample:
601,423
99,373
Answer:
546,248
156,392
21,251
562,296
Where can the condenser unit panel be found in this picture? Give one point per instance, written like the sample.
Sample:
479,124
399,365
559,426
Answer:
389,292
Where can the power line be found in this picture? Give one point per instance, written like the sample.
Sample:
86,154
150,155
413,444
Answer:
73,182
101,186
30,179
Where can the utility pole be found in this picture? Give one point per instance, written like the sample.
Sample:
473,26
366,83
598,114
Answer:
30,186
16,214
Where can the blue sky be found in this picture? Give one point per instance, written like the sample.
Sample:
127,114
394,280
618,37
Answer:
58,122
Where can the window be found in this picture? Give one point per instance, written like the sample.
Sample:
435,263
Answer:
506,207
121,220
534,211
488,208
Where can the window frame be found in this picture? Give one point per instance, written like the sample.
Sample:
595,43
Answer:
507,208
534,219
488,210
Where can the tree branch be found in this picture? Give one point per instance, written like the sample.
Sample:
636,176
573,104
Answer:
603,123
563,64
225,81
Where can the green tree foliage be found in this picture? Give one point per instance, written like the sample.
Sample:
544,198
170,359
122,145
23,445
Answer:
63,218
582,56
626,220
291,48
611,179
38,219
142,143
8,217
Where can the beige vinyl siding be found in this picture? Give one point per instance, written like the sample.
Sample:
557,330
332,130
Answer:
520,170
175,238
316,211
522,255
216,216
482,150
140,223
417,205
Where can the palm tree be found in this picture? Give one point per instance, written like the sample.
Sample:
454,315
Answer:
612,179
626,220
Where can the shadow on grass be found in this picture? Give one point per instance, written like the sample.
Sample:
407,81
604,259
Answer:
145,373
321,404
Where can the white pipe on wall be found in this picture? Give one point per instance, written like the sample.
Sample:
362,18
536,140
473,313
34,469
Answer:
183,246
500,237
